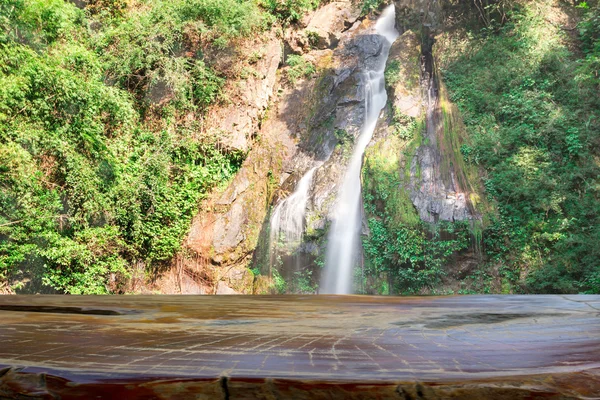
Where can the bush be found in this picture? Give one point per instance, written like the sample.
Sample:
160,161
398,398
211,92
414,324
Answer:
298,68
534,128
400,247
289,10
87,188
370,5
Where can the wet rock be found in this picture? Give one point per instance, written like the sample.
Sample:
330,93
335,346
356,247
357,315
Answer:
304,129
436,192
369,47
344,106
413,95
333,118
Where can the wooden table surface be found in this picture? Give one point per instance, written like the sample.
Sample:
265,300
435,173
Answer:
205,347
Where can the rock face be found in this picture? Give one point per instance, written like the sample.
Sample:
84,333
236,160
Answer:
435,188
224,233
237,123
313,124
325,27
300,347
439,187
405,94
413,170
325,141
304,128
340,117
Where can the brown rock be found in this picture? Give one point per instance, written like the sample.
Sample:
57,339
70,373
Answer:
406,91
324,28
328,23
236,123
222,288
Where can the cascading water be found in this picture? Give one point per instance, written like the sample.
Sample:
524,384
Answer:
287,220
344,235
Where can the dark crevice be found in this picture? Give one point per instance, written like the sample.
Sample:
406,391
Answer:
405,395
63,310
350,24
225,388
420,391
4,371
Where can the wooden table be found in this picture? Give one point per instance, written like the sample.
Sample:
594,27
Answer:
300,347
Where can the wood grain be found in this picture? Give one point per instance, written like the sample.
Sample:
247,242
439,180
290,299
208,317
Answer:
178,347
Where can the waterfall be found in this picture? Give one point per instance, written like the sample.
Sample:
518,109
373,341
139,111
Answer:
287,220
344,236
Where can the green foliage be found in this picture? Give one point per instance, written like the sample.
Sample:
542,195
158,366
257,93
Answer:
370,5
343,136
37,22
392,73
304,282
589,30
404,125
313,38
478,282
149,52
409,253
384,189
289,10
279,285
413,259
206,85
532,113
299,67
87,189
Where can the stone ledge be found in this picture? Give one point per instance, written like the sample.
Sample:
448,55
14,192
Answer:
493,347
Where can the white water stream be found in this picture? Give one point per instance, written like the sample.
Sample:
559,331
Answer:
344,236
287,220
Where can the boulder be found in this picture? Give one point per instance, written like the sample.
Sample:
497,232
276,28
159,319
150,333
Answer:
405,92
222,288
324,28
328,23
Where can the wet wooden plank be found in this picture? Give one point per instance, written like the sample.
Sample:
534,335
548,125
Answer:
300,347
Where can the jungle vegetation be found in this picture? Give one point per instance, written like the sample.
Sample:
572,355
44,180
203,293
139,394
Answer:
528,88
103,162
101,166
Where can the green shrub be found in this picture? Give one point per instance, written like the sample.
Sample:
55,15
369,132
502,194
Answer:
87,189
289,10
533,120
404,125
299,67
370,5
589,30
392,73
